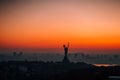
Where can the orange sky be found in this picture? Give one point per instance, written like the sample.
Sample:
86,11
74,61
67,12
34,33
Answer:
49,24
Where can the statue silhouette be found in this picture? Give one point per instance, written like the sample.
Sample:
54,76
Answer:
65,59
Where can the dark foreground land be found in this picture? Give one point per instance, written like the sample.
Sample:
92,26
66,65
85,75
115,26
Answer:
37,70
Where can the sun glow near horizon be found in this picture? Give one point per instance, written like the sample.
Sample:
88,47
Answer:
51,24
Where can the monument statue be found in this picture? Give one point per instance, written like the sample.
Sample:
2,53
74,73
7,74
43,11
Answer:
65,59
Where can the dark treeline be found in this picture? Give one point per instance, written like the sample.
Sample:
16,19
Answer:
38,70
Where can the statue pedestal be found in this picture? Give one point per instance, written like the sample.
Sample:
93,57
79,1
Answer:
65,60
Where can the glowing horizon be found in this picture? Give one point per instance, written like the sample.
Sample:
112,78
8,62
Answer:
50,24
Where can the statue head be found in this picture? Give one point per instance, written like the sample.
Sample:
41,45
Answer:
64,45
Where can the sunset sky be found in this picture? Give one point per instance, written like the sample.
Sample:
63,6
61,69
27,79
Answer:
46,24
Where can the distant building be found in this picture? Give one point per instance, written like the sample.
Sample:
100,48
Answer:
14,53
21,53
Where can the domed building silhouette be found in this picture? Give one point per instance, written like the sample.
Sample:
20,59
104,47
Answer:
65,59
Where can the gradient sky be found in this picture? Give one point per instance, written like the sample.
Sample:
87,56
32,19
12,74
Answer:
47,24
